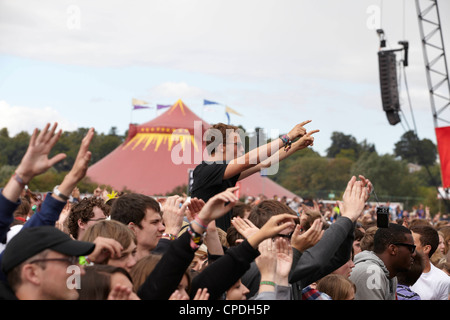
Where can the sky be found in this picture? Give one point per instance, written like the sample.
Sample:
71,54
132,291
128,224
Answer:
277,63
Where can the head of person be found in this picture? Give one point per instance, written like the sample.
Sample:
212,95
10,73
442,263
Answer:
337,286
366,242
237,291
118,231
265,209
22,211
142,214
395,246
346,269
241,209
84,214
224,141
146,265
307,218
41,263
100,279
426,239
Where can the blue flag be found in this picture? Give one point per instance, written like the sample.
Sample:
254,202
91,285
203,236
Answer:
205,102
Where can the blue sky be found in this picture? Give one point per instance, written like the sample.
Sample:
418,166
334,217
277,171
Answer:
276,62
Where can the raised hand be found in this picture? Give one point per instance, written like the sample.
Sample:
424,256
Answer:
202,294
218,205
303,241
271,228
173,214
105,248
267,263
353,200
285,257
36,161
298,130
305,141
80,166
244,226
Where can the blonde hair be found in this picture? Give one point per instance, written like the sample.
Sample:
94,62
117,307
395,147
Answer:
336,286
110,229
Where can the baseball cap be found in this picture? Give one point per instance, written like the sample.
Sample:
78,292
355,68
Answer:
31,241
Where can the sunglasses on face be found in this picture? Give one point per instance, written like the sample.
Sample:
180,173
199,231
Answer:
411,247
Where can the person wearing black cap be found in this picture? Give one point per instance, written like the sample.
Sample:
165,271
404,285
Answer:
37,261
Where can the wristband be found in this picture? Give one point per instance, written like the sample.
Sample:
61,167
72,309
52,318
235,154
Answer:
196,238
200,223
169,236
19,179
59,194
269,283
85,261
287,142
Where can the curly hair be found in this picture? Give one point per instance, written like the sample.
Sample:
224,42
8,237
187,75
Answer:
83,211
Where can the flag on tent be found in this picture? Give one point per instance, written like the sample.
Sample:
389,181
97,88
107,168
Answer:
205,102
229,110
162,106
139,104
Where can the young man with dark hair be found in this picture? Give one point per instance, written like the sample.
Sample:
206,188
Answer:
142,214
226,162
433,284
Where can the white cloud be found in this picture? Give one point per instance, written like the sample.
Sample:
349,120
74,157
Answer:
177,90
251,38
18,118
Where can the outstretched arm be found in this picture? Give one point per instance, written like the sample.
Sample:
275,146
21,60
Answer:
257,155
281,154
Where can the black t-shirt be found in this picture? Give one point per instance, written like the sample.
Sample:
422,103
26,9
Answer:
209,181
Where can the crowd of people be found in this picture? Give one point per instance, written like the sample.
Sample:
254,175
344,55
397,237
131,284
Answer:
211,245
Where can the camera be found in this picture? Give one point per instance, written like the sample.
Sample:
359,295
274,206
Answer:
382,217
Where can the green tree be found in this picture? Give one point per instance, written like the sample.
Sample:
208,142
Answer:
410,148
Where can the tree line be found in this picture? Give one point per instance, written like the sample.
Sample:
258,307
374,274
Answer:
409,175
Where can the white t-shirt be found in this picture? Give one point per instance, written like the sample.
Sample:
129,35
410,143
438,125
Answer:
433,285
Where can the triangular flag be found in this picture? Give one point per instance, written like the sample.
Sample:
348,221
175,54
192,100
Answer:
228,116
229,110
137,102
162,106
205,102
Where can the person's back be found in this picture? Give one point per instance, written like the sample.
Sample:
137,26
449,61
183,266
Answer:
371,278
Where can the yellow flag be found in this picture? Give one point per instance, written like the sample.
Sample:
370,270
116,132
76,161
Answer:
229,110
137,102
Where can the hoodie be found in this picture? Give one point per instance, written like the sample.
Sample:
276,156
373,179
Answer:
371,278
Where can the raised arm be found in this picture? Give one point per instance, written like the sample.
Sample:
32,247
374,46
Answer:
281,154
53,205
257,155
35,161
